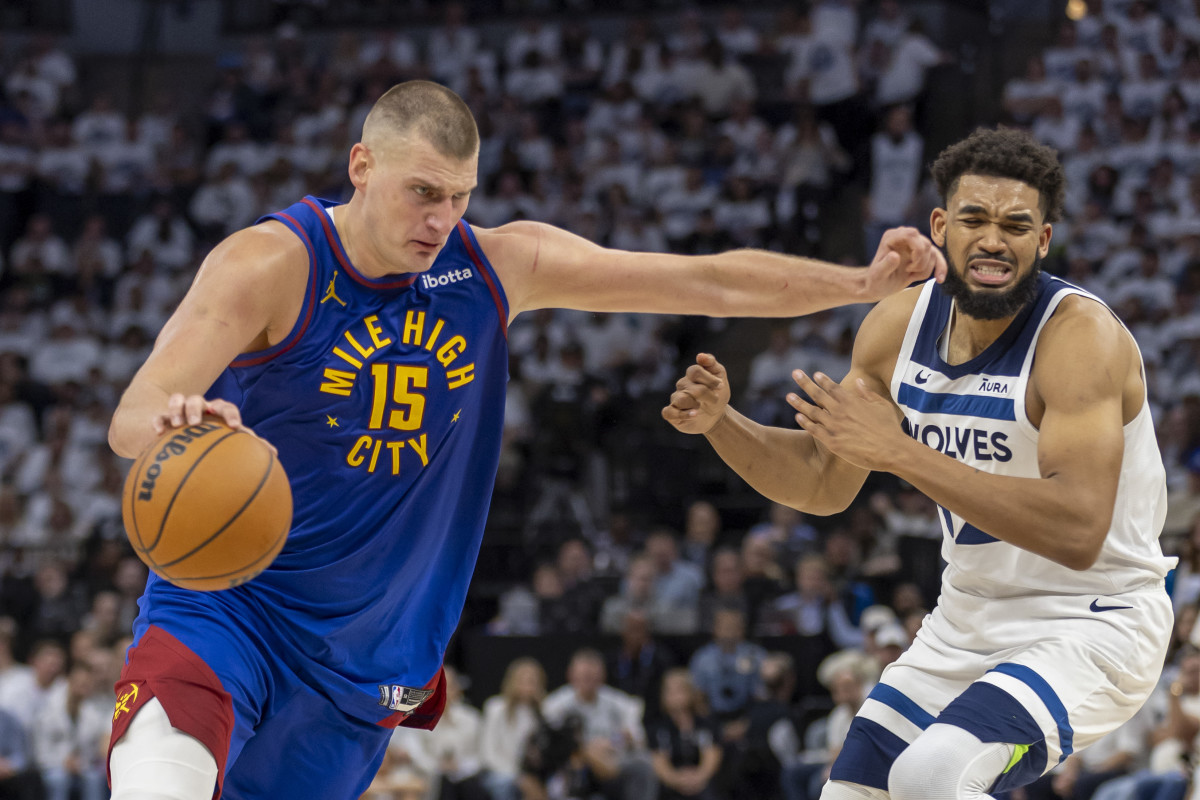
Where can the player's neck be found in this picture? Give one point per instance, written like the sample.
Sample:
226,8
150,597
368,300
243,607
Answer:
967,337
356,243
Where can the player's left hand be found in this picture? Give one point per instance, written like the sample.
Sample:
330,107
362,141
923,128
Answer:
904,257
855,423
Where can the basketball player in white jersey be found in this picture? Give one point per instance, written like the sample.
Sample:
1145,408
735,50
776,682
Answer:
1017,402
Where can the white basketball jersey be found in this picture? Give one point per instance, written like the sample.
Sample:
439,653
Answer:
975,412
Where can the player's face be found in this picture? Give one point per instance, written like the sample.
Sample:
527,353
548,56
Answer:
414,196
994,238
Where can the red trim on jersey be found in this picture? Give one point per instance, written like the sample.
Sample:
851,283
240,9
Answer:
336,245
190,692
426,715
487,276
271,352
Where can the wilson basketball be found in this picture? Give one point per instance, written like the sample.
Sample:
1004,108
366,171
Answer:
207,507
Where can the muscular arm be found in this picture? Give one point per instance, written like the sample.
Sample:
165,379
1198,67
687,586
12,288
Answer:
237,303
1082,375
542,266
790,466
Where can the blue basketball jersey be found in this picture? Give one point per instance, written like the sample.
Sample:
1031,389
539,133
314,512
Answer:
386,402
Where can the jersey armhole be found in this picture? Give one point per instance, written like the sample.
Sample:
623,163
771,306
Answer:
256,357
489,275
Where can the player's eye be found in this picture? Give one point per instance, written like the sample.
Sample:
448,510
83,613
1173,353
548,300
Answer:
422,191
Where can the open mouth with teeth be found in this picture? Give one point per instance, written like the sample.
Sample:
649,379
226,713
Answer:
991,273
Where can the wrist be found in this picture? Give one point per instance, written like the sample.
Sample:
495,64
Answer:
860,285
719,422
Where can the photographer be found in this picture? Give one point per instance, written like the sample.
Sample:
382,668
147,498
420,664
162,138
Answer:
608,743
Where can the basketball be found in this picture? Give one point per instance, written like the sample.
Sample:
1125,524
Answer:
207,507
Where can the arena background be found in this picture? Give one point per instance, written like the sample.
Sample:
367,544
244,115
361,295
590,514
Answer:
134,134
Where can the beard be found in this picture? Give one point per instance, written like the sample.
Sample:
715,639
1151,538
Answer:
986,304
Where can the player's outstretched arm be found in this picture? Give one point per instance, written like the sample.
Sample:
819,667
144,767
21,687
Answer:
542,266
239,302
1083,374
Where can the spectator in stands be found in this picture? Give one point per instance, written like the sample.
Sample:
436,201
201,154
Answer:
677,583
638,663
720,81
612,742
685,742
26,694
450,753
813,609
582,594
789,532
224,203
849,676
637,594
509,720
897,157
772,739
701,530
1026,98
727,671
725,589
19,779
70,737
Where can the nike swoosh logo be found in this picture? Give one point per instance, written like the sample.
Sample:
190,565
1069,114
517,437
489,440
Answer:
1095,606
919,380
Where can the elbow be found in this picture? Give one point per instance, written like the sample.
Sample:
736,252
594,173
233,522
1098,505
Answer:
1086,547
116,441
820,506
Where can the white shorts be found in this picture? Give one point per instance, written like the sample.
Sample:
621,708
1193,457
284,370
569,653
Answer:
1052,673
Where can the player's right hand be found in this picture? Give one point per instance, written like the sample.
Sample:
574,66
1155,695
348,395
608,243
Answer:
190,410
700,398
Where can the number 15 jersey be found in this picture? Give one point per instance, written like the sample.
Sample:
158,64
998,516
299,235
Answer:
386,402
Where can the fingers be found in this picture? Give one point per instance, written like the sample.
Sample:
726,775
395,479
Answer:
820,387
710,364
226,411
940,268
703,376
190,410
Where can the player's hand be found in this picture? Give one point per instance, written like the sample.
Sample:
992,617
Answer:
190,410
855,423
904,257
700,398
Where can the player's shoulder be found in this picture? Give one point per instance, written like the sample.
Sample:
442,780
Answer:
513,241
267,252
1083,321
882,331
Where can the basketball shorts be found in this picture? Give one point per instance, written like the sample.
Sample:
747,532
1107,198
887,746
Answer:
273,735
1051,674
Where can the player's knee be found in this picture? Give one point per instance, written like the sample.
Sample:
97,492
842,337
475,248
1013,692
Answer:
947,763
840,790
154,761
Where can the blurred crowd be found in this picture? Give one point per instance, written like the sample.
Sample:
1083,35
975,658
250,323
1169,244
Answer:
694,132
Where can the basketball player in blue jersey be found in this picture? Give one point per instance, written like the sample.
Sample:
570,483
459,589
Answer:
367,343
1017,402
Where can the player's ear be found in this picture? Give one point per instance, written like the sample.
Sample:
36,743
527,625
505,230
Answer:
937,226
1044,239
361,162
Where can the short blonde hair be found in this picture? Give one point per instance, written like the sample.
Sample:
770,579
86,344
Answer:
428,110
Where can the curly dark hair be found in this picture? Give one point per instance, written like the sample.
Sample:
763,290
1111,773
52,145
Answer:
1004,153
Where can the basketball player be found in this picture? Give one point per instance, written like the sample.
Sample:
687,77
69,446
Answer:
367,342
1018,403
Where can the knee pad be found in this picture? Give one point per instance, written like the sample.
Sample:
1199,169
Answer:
154,761
948,763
